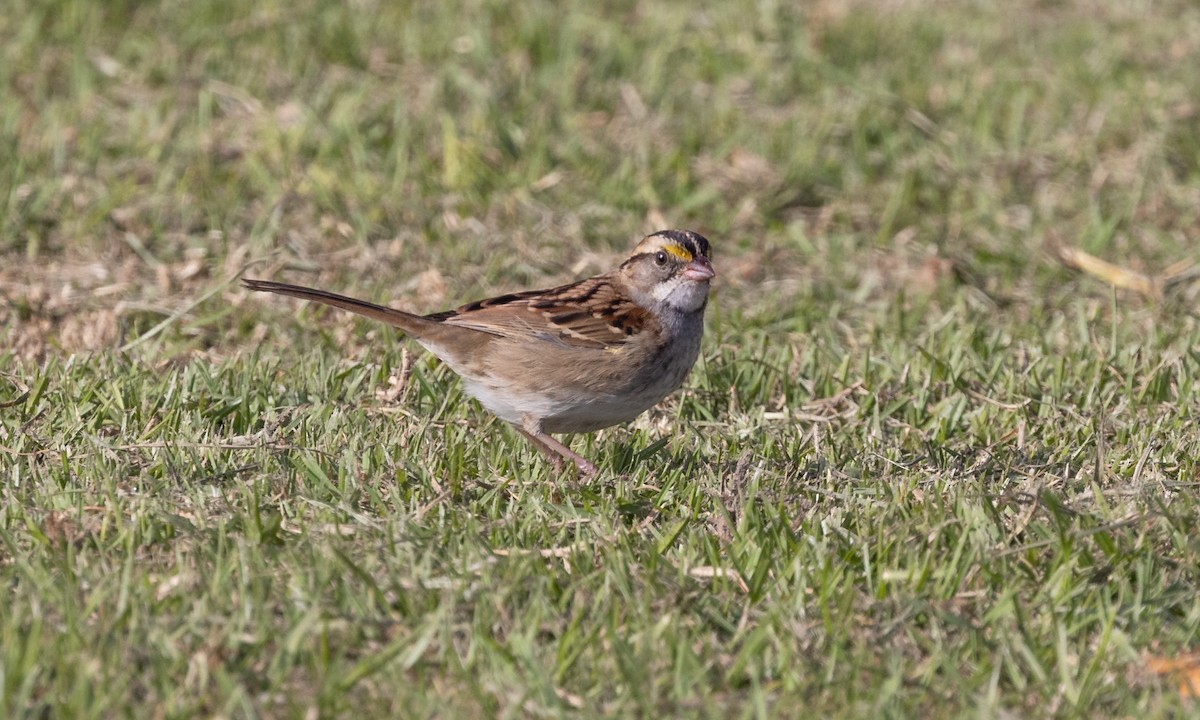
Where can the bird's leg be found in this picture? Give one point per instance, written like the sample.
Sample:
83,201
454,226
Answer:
555,451
586,469
548,452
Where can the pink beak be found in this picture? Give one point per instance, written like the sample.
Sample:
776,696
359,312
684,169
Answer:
699,269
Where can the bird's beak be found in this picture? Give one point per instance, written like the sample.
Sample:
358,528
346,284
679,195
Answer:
699,269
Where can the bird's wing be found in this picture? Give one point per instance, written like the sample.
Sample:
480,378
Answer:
588,313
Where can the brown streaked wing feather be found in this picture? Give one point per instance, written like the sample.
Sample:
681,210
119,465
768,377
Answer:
589,313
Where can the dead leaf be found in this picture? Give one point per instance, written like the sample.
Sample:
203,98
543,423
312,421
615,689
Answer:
1185,668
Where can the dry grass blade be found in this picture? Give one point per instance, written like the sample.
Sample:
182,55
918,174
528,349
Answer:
710,572
1114,275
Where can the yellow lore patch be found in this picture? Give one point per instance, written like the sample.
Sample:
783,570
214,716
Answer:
679,251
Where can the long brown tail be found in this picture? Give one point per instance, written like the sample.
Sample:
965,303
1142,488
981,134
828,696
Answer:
408,322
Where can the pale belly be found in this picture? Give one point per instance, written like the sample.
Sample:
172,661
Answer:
578,408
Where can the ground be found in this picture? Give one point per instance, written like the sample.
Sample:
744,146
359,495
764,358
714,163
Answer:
936,459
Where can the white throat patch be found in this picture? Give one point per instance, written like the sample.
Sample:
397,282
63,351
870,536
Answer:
665,289
680,294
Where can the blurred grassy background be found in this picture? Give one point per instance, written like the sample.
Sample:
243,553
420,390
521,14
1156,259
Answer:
949,474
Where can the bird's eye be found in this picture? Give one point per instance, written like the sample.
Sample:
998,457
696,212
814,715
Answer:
660,257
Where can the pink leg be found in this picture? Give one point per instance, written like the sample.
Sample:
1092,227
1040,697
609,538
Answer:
555,451
549,452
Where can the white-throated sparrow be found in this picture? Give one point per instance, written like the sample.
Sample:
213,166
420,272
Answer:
574,358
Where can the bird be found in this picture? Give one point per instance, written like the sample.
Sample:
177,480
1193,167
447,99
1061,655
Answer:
569,359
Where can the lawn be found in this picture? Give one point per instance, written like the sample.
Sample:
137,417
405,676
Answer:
935,459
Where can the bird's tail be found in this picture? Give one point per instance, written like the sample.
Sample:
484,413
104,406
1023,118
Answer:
407,322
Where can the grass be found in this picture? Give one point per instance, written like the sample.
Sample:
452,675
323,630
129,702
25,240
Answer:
921,470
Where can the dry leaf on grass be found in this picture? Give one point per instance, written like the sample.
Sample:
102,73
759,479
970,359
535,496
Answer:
1185,668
